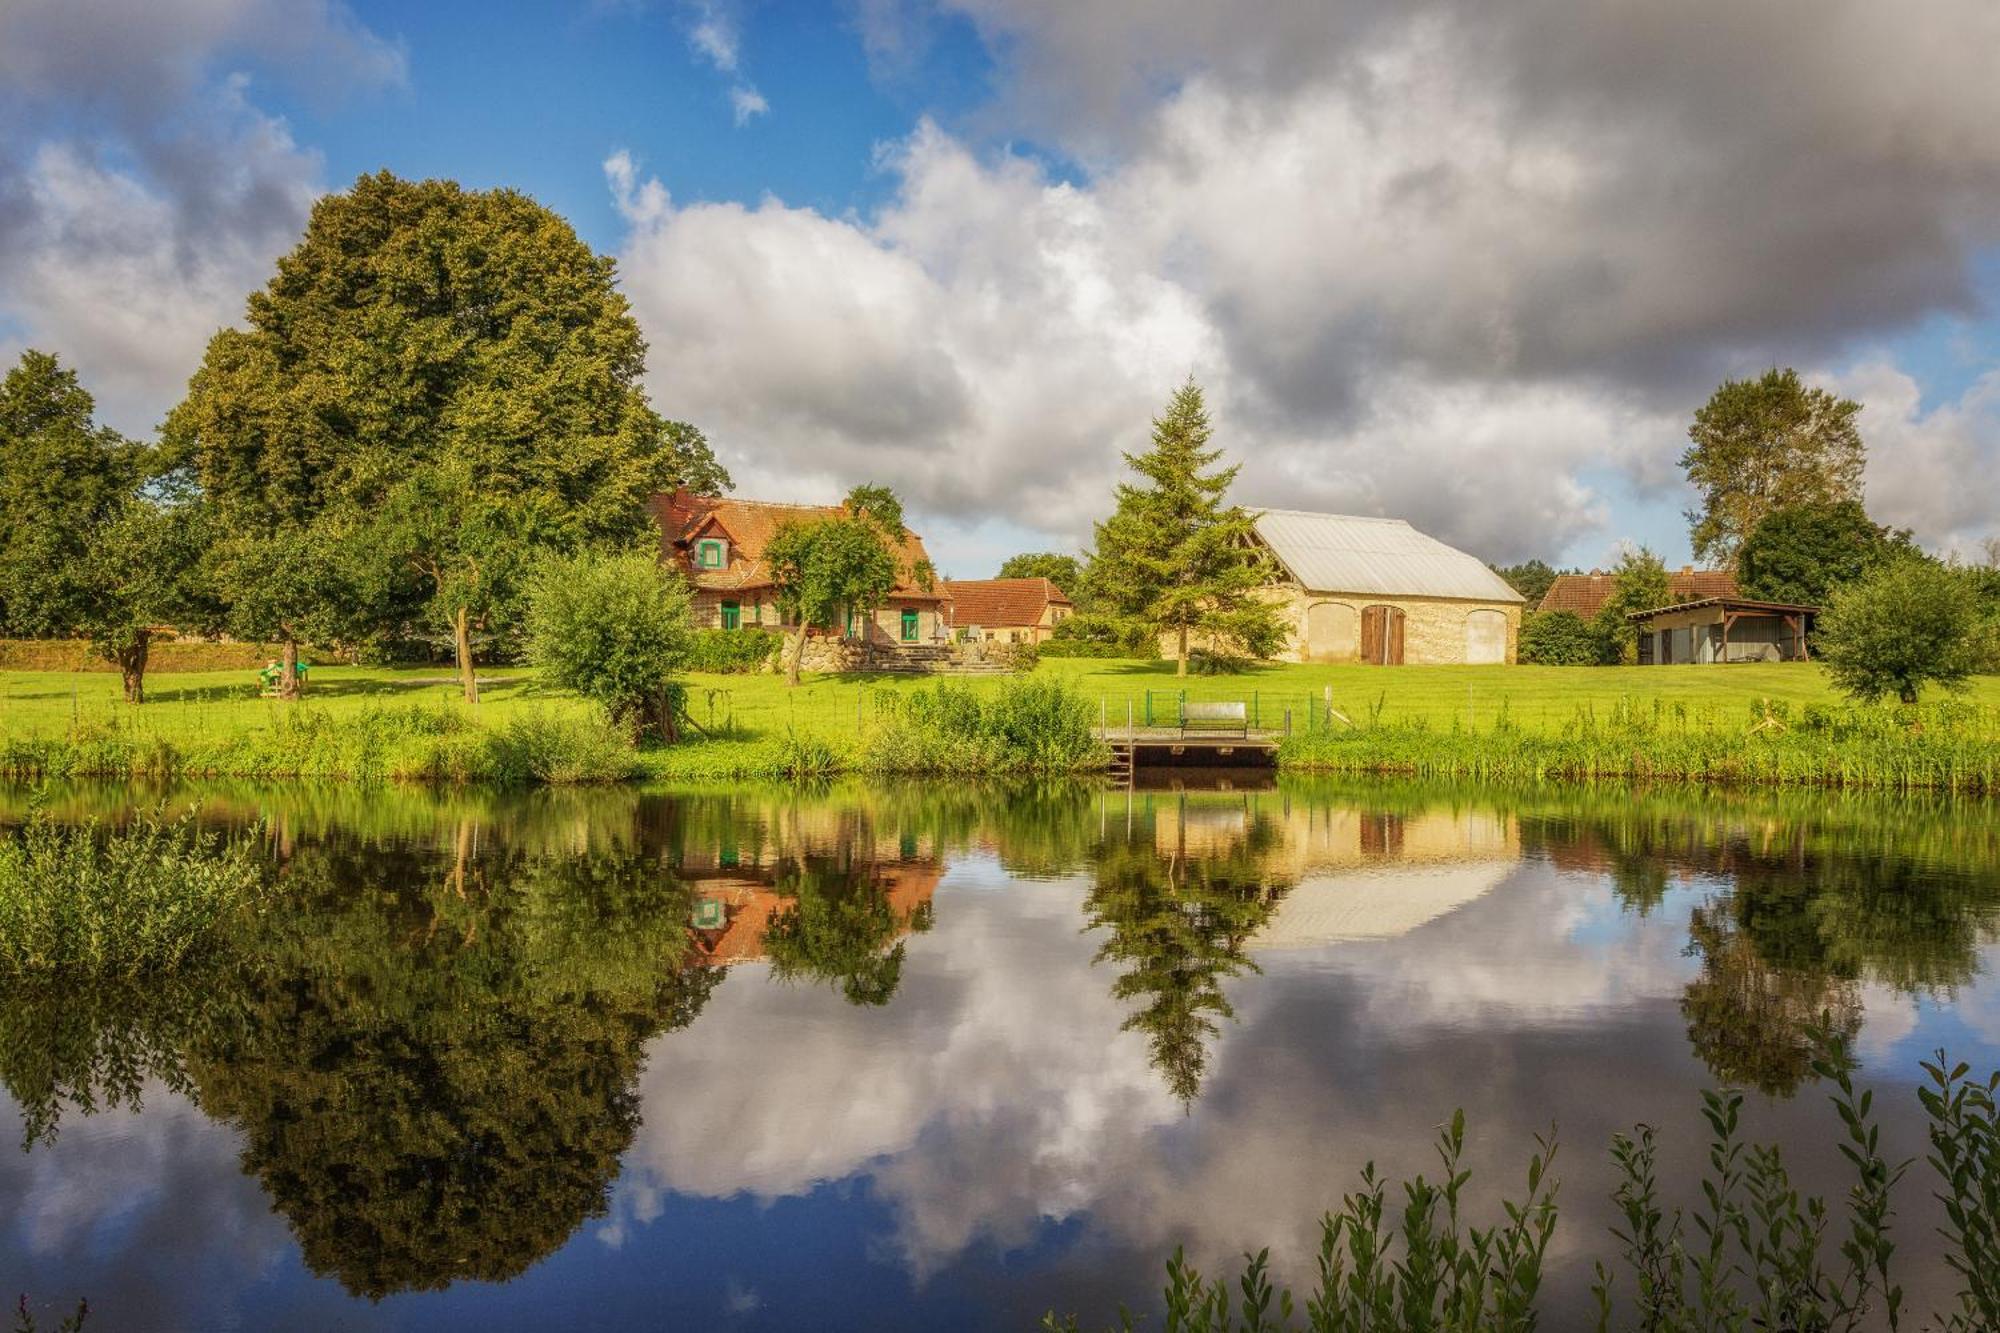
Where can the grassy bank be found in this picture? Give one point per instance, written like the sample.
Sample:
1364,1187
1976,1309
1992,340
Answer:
1498,723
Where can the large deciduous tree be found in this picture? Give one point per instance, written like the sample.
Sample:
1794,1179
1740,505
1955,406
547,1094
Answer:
1173,556
86,547
1801,554
1638,583
1766,444
825,568
436,385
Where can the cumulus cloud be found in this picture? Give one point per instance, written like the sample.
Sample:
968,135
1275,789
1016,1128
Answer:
1450,261
1930,468
143,193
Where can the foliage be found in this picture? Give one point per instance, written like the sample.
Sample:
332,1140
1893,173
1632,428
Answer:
1208,662
62,478
839,928
1065,571
1028,725
83,903
437,383
824,568
1802,553
1909,622
1173,556
1091,634
24,1318
732,651
1563,638
1531,579
1639,583
615,629
1767,444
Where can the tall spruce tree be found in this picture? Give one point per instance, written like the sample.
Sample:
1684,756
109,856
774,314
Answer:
1174,557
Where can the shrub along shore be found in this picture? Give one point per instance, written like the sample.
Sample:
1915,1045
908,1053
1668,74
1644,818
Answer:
1736,725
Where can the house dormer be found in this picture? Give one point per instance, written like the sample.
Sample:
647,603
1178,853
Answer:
710,552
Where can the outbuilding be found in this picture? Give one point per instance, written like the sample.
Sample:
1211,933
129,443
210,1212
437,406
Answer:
1377,590
1724,629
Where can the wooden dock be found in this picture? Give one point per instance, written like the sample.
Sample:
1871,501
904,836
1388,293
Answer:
1133,748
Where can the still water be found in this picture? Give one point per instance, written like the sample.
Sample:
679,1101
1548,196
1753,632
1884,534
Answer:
939,1058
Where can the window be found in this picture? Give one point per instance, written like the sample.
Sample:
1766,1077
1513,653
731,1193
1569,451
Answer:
909,626
709,553
732,615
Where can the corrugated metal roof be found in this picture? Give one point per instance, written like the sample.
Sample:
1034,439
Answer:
1385,556
1373,905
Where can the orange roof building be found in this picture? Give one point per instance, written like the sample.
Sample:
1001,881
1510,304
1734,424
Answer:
1007,610
1585,594
718,543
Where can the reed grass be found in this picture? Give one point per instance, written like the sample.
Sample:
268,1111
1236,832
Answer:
1756,1253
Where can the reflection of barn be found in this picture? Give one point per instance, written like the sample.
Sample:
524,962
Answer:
1352,874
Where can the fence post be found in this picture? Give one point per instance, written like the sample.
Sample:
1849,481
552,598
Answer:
1288,721
1128,717
1256,714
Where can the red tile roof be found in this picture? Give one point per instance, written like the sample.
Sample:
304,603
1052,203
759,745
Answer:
749,526
1002,603
1585,594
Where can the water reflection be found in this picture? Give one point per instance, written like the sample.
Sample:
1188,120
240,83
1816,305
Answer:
480,1022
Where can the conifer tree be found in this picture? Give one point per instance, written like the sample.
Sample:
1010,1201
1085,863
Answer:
1174,557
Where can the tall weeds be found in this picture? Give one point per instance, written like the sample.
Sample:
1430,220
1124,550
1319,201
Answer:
1754,1253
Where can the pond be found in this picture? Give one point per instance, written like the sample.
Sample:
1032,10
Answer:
930,1057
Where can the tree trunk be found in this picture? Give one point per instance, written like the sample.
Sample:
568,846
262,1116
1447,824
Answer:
132,666
289,685
462,638
1181,669
794,653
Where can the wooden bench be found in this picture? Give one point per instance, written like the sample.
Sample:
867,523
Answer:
1222,719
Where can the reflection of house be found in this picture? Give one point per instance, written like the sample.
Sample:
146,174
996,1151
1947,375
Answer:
748,900
719,544
1585,594
1007,610
1377,590
1724,629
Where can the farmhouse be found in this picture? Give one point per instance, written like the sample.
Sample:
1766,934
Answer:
1377,590
1006,610
1724,629
1585,594
718,543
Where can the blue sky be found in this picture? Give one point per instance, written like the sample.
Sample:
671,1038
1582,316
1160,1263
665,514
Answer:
1470,267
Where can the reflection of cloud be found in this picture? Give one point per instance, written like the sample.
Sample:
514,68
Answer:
1001,1050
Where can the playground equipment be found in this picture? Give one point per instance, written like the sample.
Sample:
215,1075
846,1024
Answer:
268,678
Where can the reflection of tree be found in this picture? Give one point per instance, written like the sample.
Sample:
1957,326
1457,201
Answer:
434,1073
91,1048
1176,923
1751,1021
840,928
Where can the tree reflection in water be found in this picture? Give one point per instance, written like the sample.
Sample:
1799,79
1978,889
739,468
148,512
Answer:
432,1050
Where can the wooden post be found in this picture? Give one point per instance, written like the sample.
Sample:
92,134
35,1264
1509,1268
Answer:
1726,618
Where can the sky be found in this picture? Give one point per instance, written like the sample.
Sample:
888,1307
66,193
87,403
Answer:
1466,264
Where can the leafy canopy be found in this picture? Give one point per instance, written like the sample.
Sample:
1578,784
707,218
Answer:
1562,638
1639,583
821,568
1766,444
1531,579
1065,571
1909,622
1801,554
1173,556
442,382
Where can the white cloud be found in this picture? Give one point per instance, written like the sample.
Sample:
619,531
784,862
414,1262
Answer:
746,102
143,193
1931,469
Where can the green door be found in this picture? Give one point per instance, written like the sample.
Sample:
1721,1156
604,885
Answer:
732,615
909,627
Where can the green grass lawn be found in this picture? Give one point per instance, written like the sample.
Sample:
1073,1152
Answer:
197,704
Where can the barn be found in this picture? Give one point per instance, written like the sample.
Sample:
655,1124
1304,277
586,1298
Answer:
1377,590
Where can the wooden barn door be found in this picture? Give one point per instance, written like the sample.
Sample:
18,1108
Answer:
1382,635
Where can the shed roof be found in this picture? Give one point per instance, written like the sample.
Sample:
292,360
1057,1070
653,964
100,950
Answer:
1385,556
999,603
1726,604
1585,594
1380,903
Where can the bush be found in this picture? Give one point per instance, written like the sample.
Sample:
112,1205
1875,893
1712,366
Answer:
562,751
1562,638
86,903
613,628
1906,623
732,651
1209,662
1026,726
